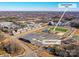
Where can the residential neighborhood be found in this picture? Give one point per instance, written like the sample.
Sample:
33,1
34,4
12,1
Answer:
39,31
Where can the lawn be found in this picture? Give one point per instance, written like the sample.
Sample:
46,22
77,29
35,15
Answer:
59,29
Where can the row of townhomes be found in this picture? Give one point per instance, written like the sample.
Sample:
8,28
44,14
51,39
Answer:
29,27
17,29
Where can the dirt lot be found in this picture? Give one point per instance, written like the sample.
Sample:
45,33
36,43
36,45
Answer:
77,32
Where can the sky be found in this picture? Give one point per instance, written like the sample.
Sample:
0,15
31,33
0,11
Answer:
34,6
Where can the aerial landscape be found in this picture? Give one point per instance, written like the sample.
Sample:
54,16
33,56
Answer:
38,30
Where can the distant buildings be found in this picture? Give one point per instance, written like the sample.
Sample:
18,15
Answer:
51,23
75,23
8,25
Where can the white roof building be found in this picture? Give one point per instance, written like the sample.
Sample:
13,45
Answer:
5,24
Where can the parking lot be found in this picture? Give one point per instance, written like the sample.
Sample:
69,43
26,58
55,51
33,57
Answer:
38,37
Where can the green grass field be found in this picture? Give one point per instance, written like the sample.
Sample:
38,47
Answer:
59,29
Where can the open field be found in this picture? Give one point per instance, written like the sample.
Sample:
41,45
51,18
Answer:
61,29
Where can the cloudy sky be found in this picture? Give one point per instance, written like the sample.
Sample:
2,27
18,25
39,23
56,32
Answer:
34,6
